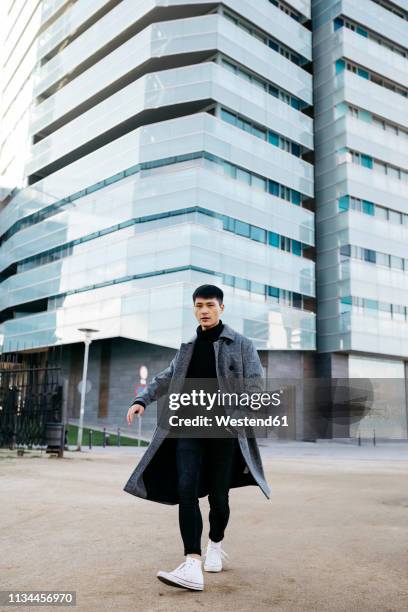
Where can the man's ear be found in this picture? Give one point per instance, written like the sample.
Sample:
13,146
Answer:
222,306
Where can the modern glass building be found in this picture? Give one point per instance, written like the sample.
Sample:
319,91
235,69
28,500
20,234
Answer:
150,146
360,70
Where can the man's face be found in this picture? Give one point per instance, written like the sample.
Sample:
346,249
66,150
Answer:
207,311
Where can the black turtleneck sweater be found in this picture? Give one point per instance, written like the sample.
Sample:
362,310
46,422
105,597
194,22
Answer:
202,363
202,367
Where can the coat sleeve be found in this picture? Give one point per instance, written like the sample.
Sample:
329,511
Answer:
158,386
254,379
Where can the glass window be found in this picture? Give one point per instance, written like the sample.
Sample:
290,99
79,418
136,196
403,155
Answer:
381,212
274,239
227,116
296,247
257,233
393,172
259,83
228,279
295,149
244,125
285,193
244,175
285,296
274,91
229,169
368,207
384,310
362,73
273,292
96,186
243,26
244,74
338,23
355,204
397,262
383,259
229,66
259,182
344,202
345,250
340,65
398,312
295,197
229,224
230,17
284,144
259,132
294,103
285,244
273,138
369,255
373,304
259,36
258,288
394,216
114,178
379,123
242,228
366,161
242,283
361,31
345,303
273,45
273,188
297,299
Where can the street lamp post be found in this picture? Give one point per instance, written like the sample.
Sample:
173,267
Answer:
88,339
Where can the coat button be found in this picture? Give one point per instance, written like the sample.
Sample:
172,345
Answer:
231,367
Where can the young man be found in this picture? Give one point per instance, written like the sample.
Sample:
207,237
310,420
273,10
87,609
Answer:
180,470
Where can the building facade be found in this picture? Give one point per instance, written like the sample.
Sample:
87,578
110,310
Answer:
149,147
360,62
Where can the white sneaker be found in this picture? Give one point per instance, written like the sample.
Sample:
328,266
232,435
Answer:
214,557
188,575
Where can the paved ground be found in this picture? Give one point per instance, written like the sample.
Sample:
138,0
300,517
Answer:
334,536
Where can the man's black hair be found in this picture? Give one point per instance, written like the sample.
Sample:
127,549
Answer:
209,291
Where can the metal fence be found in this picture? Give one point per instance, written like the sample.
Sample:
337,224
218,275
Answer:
31,397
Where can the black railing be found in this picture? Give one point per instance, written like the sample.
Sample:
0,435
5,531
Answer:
30,397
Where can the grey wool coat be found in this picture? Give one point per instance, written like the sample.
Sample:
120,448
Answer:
238,370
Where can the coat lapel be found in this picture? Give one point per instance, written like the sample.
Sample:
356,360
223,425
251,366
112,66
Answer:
183,361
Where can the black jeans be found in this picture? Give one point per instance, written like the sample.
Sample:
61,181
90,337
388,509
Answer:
218,454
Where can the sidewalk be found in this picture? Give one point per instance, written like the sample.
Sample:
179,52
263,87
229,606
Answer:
383,451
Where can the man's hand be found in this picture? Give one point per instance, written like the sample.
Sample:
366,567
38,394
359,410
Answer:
135,409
